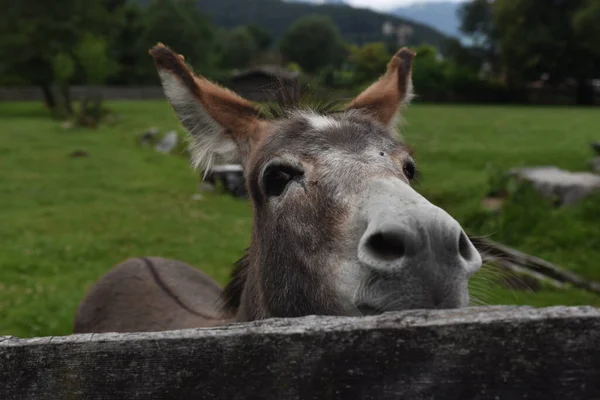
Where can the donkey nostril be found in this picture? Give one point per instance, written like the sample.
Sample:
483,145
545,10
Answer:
464,246
387,246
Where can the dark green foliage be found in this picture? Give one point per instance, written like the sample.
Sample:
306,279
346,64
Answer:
179,25
327,77
586,24
369,61
32,32
128,48
313,42
428,71
92,53
238,48
469,57
261,36
477,22
528,39
63,68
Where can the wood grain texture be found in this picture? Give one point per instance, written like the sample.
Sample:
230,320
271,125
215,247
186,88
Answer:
472,353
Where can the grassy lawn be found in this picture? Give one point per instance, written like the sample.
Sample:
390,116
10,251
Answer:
66,221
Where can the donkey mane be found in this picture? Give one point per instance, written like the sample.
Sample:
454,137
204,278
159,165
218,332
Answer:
286,101
232,293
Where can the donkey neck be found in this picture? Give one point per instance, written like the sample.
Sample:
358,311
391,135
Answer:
278,283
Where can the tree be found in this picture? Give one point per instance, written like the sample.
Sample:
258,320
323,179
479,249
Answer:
476,21
586,25
536,39
313,42
33,32
261,36
92,55
91,52
179,25
127,46
428,72
471,57
369,61
238,49
63,68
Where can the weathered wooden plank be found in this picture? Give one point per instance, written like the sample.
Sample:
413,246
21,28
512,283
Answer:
473,353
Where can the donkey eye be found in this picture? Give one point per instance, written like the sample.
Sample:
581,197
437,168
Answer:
277,177
410,169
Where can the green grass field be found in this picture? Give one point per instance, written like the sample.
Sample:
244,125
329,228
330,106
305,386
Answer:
66,221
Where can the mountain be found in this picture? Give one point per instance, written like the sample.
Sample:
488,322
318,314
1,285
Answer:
317,1
442,14
355,24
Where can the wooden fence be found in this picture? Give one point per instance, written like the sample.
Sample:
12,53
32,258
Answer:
473,353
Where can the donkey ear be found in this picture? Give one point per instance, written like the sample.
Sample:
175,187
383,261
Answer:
220,122
386,96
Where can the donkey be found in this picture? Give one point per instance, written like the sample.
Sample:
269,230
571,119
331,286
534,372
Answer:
337,229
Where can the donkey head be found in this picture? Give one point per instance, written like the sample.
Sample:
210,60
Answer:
337,229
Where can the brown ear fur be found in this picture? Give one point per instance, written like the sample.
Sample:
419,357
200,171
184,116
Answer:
385,96
235,114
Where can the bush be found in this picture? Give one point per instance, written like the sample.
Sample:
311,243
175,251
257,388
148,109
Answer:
292,66
238,49
91,52
314,42
369,61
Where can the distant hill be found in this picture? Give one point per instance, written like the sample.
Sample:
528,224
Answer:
356,25
442,14
317,1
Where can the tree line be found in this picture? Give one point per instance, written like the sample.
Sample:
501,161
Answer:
555,41
97,42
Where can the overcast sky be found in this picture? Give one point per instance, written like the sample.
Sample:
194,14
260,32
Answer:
388,4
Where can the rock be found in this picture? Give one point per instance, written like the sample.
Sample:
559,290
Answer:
568,187
67,125
206,187
596,146
235,184
197,197
148,137
167,143
596,164
79,153
493,204
232,177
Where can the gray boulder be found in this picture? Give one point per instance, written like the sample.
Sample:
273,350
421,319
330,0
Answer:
167,143
148,137
596,164
230,175
568,187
